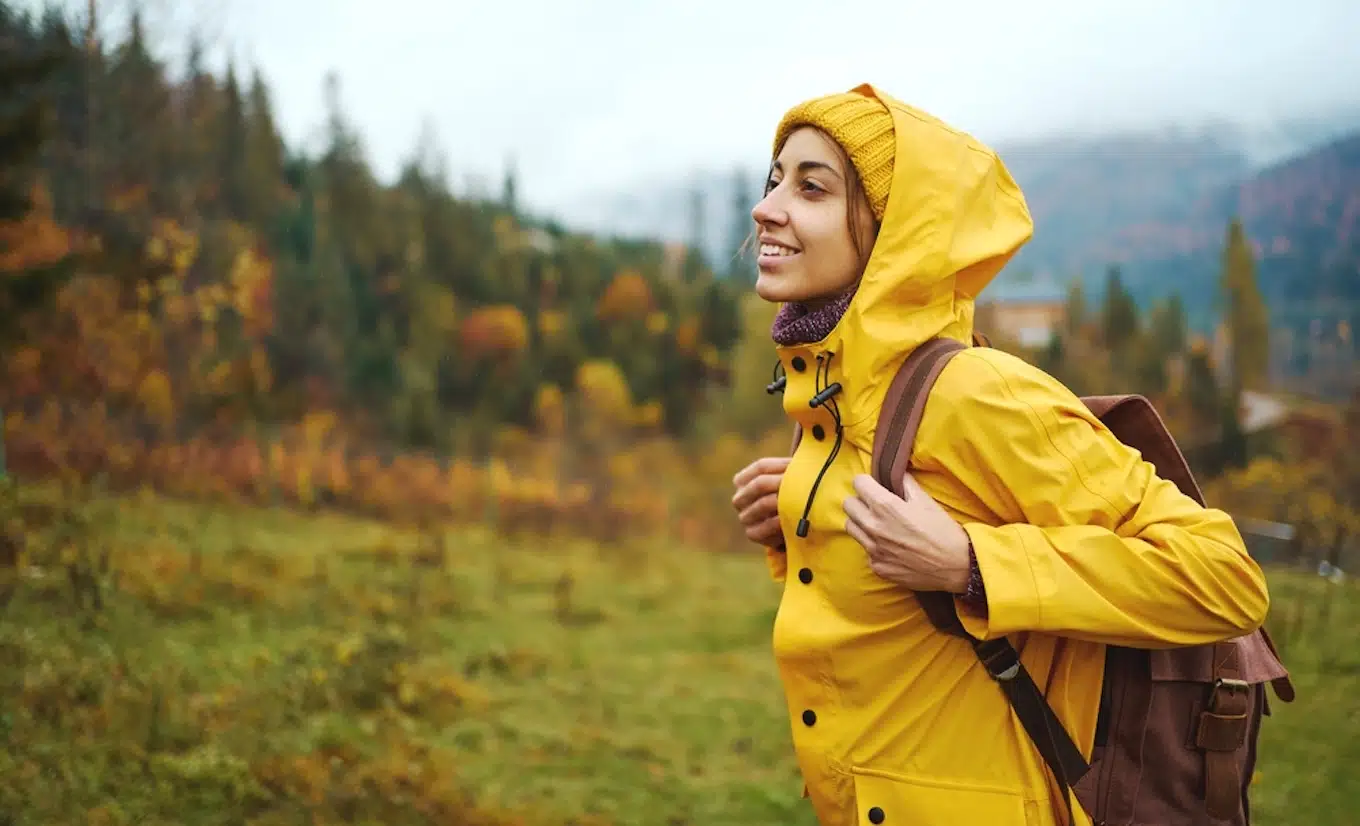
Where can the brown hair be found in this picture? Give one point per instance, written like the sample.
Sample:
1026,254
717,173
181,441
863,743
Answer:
854,195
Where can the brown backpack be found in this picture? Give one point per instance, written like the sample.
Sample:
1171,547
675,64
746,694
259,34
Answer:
1176,735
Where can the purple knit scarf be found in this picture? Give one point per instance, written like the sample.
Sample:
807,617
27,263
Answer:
797,323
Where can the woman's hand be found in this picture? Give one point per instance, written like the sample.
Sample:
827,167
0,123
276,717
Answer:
911,542
757,499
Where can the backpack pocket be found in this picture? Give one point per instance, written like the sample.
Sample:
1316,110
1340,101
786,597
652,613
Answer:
1183,725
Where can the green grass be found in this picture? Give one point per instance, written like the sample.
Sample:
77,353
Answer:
334,667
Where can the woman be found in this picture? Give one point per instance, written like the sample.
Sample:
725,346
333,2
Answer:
878,228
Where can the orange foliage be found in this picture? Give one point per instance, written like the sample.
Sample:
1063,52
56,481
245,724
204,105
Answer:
496,331
35,241
645,490
626,297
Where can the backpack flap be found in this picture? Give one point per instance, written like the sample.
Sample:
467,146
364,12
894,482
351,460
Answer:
1135,422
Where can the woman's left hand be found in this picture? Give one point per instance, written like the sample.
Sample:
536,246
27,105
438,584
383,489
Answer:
911,542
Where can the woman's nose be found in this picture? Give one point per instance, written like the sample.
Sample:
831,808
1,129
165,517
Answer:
768,210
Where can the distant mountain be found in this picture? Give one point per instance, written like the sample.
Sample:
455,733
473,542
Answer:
1157,202
1303,216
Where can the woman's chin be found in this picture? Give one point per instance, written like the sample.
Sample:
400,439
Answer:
777,288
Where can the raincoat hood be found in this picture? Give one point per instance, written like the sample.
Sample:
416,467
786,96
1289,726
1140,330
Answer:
954,218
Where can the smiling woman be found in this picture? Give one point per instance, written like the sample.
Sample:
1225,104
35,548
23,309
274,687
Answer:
817,224
1020,511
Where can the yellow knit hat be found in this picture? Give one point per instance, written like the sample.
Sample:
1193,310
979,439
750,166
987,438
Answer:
862,126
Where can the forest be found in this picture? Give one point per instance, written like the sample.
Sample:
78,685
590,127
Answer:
248,388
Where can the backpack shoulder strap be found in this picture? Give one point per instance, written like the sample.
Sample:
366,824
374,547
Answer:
894,437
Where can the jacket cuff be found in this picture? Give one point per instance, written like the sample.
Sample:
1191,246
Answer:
1011,599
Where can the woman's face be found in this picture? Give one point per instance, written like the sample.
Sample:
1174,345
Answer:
807,251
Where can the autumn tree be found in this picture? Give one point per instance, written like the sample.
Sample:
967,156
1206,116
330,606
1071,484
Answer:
1245,312
34,251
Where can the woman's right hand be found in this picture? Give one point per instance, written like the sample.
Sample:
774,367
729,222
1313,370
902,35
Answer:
757,499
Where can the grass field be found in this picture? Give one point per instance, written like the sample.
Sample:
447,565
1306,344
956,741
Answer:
254,666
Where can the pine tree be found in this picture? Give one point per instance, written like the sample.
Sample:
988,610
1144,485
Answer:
264,155
138,102
1119,316
232,140
1246,315
25,125
1074,314
1201,390
1168,326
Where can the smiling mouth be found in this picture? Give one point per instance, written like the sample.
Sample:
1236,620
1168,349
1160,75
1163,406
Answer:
777,251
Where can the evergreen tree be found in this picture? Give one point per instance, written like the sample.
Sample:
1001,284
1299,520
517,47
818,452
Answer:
139,121
232,146
26,117
1245,313
264,156
1168,326
1119,317
1201,390
1074,314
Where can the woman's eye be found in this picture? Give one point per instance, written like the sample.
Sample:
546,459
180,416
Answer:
812,186
770,184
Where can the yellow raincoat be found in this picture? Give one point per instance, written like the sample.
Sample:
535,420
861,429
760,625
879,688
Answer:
1079,542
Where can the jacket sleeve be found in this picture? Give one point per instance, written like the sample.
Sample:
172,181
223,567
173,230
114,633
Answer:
1088,542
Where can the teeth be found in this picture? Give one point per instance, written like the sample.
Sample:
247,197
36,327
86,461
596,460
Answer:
776,249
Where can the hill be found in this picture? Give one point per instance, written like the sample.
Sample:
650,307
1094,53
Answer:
1303,217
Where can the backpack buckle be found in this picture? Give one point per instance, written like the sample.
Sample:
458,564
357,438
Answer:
1001,659
1230,683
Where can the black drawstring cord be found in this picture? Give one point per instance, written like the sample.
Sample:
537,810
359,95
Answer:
776,385
823,396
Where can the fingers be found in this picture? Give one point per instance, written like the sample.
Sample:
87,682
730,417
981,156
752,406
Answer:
859,516
766,533
757,488
760,467
874,495
761,509
860,535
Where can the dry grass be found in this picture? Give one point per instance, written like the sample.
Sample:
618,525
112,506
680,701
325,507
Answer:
171,663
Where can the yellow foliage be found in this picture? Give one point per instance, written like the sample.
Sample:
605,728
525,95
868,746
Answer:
551,323
604,390
316,425
649,415
155,397
550,412
658,323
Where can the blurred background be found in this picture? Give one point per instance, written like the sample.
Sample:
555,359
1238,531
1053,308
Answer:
374,377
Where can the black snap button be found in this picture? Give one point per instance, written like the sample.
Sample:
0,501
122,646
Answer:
798,364
810,717
805,575
818,432
875,815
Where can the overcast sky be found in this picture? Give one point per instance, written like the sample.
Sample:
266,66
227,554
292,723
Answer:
592,95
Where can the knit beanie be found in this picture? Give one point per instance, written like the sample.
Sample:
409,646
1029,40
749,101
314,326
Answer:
862,126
